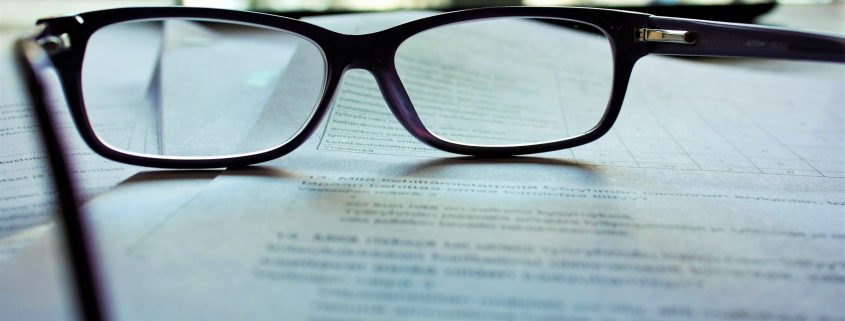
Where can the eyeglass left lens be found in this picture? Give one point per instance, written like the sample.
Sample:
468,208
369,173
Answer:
175,87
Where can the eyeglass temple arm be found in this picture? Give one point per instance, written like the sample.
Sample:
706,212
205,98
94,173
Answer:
88,294
710,38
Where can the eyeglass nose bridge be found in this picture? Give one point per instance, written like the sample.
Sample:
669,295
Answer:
367,51
371,53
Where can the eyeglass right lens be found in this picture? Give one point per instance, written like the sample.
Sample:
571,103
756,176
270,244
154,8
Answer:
193,88
508,81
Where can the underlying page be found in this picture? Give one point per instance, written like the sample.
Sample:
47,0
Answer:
25,200
717,196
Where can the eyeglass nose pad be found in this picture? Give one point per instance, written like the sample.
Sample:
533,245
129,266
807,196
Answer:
398,101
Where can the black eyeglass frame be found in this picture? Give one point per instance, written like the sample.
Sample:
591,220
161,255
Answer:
631,35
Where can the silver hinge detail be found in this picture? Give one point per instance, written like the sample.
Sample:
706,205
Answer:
55,44
661,35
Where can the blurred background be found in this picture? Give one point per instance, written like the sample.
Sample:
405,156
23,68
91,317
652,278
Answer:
25,12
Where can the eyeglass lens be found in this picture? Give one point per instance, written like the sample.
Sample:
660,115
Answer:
199,88
507,81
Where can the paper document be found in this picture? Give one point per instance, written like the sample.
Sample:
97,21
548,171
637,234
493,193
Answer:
719,203
716,196
26,197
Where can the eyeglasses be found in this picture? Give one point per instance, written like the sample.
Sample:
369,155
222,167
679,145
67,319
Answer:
195,87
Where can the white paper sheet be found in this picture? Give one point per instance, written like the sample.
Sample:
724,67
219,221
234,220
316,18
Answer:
25,195
717,196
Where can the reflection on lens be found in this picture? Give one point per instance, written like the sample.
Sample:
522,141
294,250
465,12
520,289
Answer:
199,88
508,81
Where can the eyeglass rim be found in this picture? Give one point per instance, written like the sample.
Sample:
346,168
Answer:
344,52
338,58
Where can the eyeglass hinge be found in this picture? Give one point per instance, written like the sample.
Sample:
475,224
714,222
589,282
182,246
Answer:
661,35
55,44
